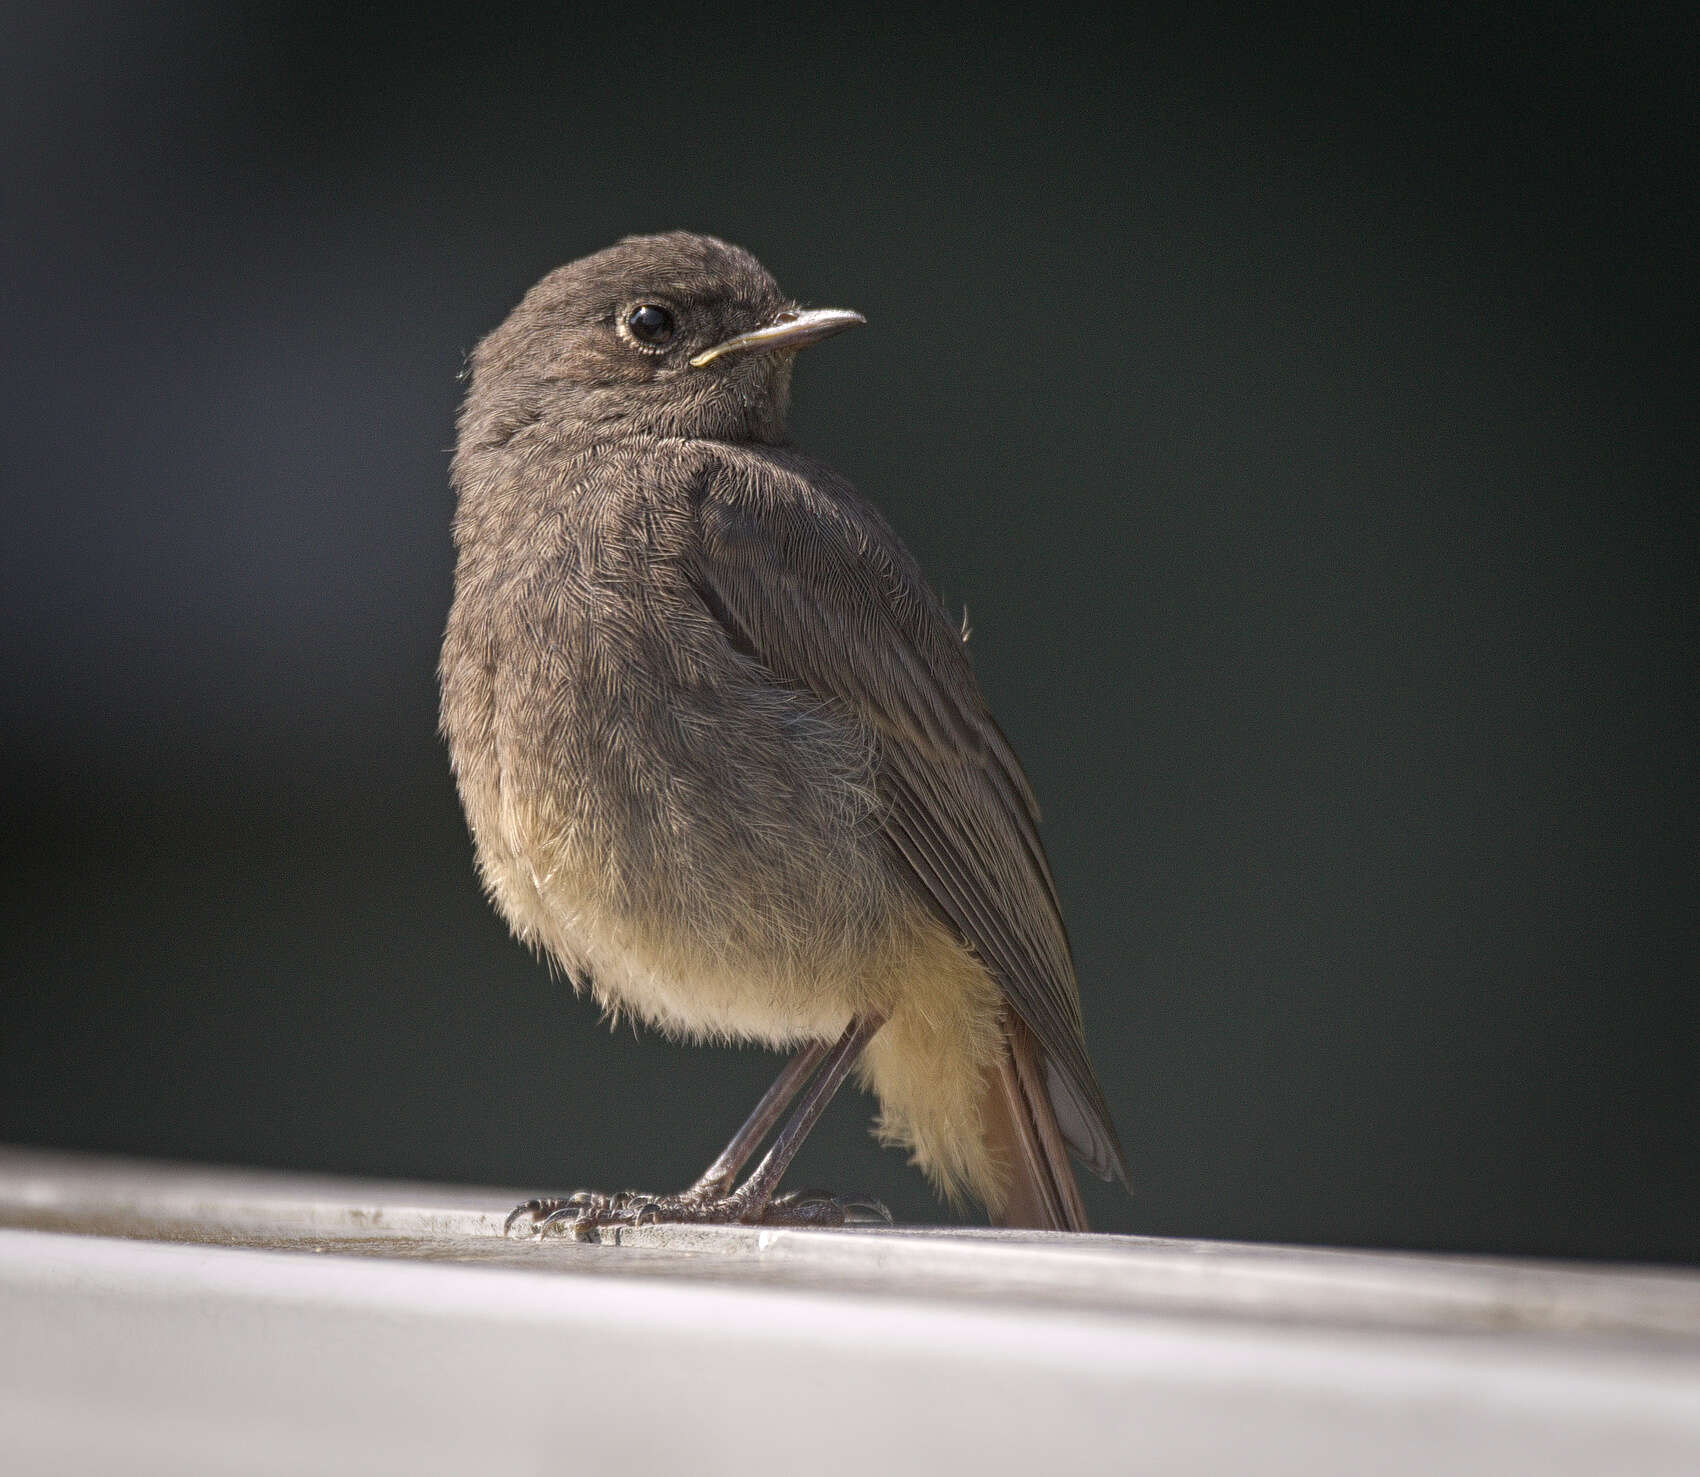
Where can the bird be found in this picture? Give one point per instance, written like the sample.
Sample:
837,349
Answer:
724,759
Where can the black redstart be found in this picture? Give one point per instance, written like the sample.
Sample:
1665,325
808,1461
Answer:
723,755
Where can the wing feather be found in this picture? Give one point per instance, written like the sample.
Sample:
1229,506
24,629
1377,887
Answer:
810,581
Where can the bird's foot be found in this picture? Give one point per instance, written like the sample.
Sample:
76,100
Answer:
584,1214
581,1212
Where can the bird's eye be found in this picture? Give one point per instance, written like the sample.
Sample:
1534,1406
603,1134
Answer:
650,325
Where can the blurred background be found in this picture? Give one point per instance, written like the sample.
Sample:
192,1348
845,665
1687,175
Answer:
1304,409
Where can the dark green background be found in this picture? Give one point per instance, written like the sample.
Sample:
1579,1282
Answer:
1303,408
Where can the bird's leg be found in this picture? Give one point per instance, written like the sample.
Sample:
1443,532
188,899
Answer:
711,1198
718,1177
756,1194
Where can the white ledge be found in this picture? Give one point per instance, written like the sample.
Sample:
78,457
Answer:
186,1320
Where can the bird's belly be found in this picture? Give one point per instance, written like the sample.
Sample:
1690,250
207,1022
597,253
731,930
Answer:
715,871
687,983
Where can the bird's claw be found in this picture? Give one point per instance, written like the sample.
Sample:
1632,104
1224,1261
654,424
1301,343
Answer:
823,1208
581,1213
533,1209
585,1212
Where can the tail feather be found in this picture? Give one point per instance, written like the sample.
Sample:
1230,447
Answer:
1021,1127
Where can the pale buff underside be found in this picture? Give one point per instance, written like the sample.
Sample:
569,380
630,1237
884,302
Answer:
930,1065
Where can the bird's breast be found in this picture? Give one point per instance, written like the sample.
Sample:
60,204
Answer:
651,806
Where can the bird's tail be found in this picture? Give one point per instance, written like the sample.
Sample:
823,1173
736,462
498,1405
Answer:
1021,1129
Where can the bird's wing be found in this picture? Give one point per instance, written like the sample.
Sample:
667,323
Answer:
812,583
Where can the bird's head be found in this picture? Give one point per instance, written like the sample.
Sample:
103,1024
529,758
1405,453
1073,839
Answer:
670,335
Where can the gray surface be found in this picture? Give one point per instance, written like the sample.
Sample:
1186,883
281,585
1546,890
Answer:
310,1325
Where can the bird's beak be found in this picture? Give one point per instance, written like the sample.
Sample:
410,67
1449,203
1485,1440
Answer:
792,330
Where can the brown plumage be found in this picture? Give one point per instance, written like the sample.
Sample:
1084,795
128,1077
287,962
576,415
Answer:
720,747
